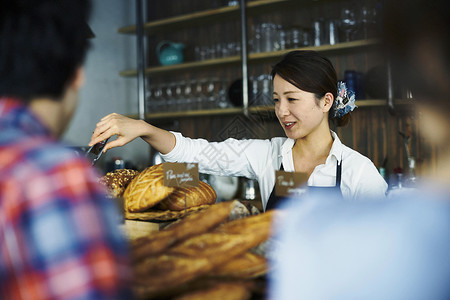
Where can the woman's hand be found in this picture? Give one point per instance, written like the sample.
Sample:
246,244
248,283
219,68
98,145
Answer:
126,129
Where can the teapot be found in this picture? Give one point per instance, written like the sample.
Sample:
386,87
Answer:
170,53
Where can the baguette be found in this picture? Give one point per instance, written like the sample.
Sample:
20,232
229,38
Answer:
185,228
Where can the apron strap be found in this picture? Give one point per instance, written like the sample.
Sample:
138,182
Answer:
338,173
273,200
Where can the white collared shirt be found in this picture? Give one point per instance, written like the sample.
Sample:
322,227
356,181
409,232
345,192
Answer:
258,159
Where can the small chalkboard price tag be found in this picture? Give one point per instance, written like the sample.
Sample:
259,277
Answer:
180,174
290,183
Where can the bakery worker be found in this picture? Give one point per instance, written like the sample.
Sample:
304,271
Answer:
307,98
58,230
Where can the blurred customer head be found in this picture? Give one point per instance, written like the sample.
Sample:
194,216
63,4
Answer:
396,249
43,43
417,41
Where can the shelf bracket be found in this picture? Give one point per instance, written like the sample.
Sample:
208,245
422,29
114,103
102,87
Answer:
140,59
390,91
244,54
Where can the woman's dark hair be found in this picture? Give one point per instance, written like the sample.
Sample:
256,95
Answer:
310,72
42,44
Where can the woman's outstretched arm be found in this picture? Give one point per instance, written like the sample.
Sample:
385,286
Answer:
127,129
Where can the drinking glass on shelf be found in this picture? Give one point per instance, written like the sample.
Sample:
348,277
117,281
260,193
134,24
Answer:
280,38
157,93
319,32
307,37
367,22
222,101
238,48
218,89
224,51
197,93
265,89
211,52
187,95
331,34
201,53
197,53
232,48
208,88
218,50
268,36
363,23
176,95
255,42
150,103
294,38
168,97
254,89
348,24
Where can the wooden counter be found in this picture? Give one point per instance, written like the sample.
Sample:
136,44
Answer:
134,229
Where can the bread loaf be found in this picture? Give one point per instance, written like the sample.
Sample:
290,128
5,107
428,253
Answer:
191,259
157,215
182,258
117,181
245,266
146,190
182,230
182,198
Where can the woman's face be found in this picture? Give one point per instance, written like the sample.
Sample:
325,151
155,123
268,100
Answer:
298,111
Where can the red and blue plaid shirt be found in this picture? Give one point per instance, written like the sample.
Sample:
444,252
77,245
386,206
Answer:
59,236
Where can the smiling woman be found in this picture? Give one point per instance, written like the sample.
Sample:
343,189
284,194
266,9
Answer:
305,94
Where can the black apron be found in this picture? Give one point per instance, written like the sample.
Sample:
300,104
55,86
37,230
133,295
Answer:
275,201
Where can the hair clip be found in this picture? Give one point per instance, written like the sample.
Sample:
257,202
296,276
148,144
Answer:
344,102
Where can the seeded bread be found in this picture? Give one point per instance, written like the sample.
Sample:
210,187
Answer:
117,181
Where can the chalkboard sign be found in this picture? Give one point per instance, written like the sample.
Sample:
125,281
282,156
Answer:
180,174
290,183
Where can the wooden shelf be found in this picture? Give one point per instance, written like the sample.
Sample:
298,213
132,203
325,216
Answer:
197,17
255,109
353,45
191,113
253,57
371,102
184,66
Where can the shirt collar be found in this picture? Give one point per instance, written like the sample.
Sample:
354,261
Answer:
336,148
14,112
287,146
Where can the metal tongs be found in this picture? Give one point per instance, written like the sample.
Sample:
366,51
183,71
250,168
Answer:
95,151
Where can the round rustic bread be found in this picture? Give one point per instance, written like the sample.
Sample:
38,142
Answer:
117,181
146,190
188,197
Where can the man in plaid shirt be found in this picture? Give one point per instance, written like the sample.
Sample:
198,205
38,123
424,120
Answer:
59,237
